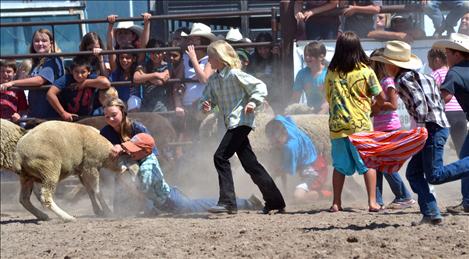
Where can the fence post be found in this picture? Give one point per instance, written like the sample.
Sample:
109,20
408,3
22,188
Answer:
288,32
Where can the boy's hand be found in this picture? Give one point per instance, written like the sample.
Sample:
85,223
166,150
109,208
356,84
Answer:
15,117
191,53
4,86
116,150
180,112
206,106
146,17
68,116
249,107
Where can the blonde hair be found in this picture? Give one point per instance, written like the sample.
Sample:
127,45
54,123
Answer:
225,53
26,66
109,94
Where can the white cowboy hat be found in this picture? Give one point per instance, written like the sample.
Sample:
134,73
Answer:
398,53
234,35
201,30
457,41
129,25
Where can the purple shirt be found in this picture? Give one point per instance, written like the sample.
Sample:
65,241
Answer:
387,120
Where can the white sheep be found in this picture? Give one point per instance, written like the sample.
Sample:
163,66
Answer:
55,150
10,134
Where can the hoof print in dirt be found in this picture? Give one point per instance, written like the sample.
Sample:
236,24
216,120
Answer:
352,239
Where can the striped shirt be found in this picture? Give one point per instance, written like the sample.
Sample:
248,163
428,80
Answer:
230,90
439,76
421,97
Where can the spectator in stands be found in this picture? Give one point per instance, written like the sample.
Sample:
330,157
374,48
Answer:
359,15
12,102
154,75
127,35
24,69
196,66
104,96
72,95
45,71
264,64
317,27
99,63
437,61
464,25
177,40
310,80
401,28
441,24
126,66
234,36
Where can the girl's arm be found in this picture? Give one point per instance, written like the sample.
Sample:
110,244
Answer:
102,65
368,9
110,40
52,97
35,81
321,9
145,36
204,74
391,103
295,97
255,88
142,77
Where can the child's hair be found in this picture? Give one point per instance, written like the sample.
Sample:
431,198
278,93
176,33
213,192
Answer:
348,54
11,63
89,39
378,67
435,53
225,52
134,65
109,94
315,49
79,61
26,65
126,124
264,36
54,47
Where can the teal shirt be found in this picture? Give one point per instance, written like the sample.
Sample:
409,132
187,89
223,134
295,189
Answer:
231,90
151,181
312,86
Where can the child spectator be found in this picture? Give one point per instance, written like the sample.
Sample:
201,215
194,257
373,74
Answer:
104,96
154,75
359,15
350,86
264,64
236,94
45,71
127,35
457,84
317,27
24,69
125,70
12,102
234,36
387,119
76,90
196,66
99,63
456,117
310,80
422,99
298,158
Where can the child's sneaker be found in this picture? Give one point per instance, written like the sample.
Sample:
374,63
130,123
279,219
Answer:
399,205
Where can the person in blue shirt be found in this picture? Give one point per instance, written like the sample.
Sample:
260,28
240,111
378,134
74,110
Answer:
76,90
310,80
126,66
45,71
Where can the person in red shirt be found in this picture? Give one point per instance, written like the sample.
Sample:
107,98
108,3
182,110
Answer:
12,102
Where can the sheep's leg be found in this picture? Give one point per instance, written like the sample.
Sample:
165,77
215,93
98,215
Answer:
25,198
91,182
37,191
47,190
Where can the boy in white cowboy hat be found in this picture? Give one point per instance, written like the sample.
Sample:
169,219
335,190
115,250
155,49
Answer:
422,99
457,84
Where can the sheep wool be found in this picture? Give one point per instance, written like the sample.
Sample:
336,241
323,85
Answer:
10,133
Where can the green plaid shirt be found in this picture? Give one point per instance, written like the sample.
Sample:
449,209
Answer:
230,90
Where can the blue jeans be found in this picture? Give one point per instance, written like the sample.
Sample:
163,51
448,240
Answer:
178,202
465,181
427,167
456,10
395,183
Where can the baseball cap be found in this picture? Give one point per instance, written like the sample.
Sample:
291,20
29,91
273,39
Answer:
141,141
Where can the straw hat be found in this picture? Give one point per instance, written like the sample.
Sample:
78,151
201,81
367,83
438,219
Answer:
234,35
398,53
201,30
457,41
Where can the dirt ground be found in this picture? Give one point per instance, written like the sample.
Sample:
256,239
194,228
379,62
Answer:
305,231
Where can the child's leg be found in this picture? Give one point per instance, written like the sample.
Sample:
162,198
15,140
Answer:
370,182
271,194
337,186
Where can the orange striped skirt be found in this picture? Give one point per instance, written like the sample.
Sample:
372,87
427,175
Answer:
388,151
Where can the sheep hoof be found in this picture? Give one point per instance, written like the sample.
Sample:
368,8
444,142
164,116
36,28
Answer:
70,219
43,218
